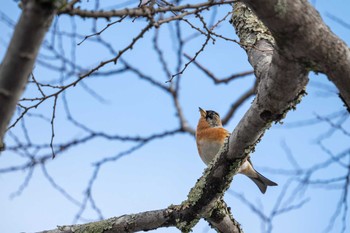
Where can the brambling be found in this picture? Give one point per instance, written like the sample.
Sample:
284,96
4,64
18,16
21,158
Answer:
210,137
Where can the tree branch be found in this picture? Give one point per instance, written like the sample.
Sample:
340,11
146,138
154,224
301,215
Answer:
221,219
276,95
21,55
141,11
126,223
306,39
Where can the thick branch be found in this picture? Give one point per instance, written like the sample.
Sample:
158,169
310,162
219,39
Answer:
20,56
183,216
126,223
276,94
221,219
141,11
302,36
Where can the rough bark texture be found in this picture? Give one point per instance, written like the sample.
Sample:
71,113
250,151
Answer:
281,80
173,216
220,218
126,223
203,202
298,42
20,56
276,94
303,37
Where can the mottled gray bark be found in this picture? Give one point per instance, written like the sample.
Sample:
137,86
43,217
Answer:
220,218
281,81
178,216
174,216
125,223
298,42
302,36
276,94
20,56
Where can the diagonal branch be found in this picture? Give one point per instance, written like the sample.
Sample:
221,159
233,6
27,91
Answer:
21,55
213,77
220,218
307,39
276,95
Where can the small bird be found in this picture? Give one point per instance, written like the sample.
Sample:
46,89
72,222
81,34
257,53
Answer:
210,137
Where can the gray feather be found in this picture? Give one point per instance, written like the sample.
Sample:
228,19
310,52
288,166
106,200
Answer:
262,182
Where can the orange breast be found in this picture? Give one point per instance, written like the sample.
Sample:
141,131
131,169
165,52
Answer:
209,141
216,134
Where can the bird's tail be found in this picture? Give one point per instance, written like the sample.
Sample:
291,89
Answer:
262,182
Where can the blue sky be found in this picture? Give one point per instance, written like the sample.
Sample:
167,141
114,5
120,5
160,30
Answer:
163,171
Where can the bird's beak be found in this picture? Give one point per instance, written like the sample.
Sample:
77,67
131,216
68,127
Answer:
203,112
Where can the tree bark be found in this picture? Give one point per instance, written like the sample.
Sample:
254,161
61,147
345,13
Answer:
20,56
220,218
277,94
303,37
281,80
294,41
126,223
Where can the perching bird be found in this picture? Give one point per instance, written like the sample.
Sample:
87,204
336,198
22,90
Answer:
210,137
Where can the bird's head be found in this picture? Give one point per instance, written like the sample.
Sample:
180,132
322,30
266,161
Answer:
211,117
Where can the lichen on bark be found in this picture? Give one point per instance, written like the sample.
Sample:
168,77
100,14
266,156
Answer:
251,29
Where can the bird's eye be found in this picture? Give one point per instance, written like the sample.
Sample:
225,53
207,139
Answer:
209,117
